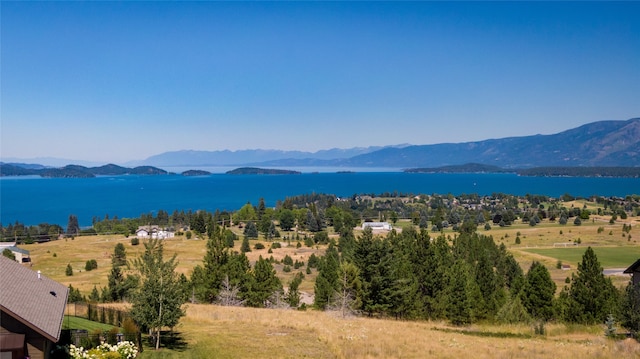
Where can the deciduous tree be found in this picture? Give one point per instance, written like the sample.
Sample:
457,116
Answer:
158,302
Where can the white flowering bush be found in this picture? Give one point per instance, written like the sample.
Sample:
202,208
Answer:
122,350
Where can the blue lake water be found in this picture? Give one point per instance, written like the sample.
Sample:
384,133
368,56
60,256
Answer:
33,200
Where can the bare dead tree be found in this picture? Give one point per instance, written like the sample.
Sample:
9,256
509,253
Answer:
229,295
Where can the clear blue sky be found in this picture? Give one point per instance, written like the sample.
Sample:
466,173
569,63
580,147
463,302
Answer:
118,81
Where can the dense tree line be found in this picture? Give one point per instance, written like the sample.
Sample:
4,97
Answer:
315,212
463,279
226,277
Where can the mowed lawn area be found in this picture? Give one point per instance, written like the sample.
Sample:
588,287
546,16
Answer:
71,322
609,257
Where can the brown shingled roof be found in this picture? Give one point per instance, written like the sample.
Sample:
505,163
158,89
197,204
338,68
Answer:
38,303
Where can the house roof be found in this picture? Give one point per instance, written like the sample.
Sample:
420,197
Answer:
18,250
38,303
635,267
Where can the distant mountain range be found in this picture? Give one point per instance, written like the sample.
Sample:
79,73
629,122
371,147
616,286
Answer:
193,158
597,144
605,143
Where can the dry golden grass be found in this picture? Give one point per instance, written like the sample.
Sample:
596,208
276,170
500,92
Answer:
189,254
232,332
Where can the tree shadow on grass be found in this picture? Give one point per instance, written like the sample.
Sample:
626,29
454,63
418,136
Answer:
168,340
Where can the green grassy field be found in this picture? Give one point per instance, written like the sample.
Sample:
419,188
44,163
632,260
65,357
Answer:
609,257
71,322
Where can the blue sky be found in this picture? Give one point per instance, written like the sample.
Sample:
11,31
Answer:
118,81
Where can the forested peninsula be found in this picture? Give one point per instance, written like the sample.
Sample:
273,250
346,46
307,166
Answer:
627,172
76,171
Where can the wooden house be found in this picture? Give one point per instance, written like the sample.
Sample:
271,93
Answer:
634,270
31,311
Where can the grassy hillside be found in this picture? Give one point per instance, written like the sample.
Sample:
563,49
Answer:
229,332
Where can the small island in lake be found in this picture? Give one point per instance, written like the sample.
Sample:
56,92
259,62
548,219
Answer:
76,171
195,173
260,171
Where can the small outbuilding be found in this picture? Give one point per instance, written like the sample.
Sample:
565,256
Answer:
31,311
21,255
634,270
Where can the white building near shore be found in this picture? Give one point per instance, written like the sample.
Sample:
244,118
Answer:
385,226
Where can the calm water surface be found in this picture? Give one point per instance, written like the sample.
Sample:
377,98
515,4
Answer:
33,200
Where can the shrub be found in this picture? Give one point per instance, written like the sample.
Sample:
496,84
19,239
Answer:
259,246
135,241
112,334
91,265
9,254
287,260
69,271
286,269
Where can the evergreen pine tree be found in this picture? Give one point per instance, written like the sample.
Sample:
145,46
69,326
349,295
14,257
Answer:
207,279
69,270
630,309
245,247
94,296
263,284
538,292
119,257
327,279
115,280
459,294
250,230
293,293
592,296
311,222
